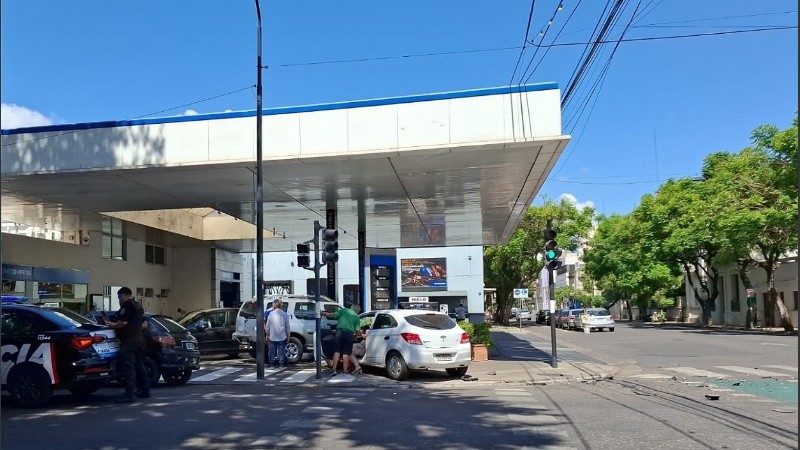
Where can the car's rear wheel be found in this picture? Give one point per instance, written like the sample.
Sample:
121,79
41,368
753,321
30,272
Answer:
294,350
396,367
178,376
30,387
153,371
611,329
457,371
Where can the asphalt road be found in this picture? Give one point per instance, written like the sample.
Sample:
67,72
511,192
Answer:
601,415
648,405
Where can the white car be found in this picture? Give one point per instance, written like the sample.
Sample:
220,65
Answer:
597,318
401,340
302,322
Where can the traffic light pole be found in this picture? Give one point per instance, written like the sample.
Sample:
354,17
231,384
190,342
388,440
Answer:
317,309
551,294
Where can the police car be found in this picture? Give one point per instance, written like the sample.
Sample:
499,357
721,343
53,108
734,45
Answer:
44,350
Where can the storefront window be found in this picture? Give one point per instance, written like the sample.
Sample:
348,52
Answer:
114,246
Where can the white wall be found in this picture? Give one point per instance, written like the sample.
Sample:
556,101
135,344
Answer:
464,270
785,282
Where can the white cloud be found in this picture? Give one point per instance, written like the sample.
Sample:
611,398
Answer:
574,200
190,112
15,116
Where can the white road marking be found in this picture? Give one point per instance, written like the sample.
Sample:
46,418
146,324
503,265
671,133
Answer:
342,378
691,371
792,369
536,419
750,371
322,410
251,377
512,392
300,377
215,374
743,395
652,376
773,343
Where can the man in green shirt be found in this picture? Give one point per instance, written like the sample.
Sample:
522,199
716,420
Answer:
348,323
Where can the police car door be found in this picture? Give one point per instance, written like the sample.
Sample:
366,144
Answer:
25,341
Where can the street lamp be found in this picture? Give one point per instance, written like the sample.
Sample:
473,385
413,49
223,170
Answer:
260,338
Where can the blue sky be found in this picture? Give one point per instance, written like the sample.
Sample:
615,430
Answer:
670,101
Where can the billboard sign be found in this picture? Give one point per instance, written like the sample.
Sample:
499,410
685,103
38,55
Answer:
423,274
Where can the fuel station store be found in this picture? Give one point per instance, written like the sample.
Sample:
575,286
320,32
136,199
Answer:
406,181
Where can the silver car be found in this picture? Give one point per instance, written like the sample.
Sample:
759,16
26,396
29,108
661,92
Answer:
597,319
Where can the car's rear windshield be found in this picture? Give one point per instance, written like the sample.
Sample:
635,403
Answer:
72,315
169,324
431,321
598,312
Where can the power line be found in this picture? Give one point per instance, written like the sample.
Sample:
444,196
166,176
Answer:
384,58
524,42
720,18
561,30
678,36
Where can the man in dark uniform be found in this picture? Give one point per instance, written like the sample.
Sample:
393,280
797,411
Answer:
128,324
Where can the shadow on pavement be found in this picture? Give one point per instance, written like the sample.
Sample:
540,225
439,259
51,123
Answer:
699,329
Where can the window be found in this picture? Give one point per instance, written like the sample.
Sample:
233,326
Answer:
19,322
795,300
735,306
153,254
431,321
114,243
384,321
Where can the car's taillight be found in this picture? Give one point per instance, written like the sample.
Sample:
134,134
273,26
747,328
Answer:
464,338
411,338
84,342
165,341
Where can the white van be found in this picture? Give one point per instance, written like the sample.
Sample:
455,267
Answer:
302,315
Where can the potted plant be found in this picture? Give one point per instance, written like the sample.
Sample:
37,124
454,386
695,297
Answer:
480,338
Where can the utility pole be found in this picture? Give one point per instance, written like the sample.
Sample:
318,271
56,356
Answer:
260,338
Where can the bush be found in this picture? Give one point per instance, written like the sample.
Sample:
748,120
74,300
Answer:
478,333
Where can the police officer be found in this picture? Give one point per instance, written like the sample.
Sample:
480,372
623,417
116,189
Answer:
128,323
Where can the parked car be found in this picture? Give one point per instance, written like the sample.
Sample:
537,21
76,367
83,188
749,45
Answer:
570,319
302,316
402,340
561,314
524,314
213,328
543,316
170,349
45,350
597,319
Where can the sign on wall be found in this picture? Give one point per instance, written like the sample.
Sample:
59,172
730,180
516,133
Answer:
423,274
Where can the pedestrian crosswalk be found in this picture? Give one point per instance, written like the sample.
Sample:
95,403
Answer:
247,374
782,372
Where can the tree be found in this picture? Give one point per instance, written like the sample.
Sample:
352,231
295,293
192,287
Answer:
682,220
758,191
621,258
518,262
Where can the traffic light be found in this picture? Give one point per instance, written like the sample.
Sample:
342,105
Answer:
330,245
551,251
303,258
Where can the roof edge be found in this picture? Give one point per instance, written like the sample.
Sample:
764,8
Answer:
291,109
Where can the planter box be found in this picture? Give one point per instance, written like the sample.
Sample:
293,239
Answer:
480,352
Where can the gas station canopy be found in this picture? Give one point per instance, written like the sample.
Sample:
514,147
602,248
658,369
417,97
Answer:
446,169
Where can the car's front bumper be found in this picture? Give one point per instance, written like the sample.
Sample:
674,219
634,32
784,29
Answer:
180,359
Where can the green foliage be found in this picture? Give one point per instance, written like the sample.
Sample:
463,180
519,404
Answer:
478,333
518,263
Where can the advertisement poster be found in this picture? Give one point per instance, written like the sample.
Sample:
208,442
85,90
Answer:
424,274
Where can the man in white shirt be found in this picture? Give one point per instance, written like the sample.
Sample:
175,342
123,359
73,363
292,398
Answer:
278,332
